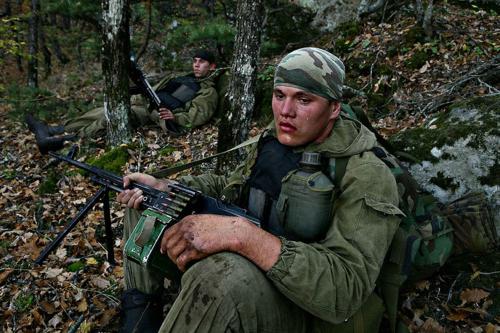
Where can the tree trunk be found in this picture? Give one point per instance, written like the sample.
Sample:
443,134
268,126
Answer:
19,59
115,63
241,95
47,55
7,10
33,44
63,58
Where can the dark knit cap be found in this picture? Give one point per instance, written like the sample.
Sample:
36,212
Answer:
204,54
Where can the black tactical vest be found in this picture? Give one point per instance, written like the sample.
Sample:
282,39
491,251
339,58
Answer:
179,91
273,163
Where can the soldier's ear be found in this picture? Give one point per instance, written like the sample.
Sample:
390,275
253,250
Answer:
213,66
335,109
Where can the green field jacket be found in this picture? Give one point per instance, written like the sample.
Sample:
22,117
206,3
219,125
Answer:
200,109
332,278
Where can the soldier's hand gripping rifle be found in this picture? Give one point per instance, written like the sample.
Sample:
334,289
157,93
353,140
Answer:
162,210
147,91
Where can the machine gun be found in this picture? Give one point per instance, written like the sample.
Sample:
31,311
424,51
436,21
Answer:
147,91
162,210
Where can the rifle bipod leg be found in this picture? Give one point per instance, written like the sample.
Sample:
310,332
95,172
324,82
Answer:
101,194
107,225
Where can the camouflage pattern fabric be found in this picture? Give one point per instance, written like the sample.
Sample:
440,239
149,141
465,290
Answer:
473,224
313,70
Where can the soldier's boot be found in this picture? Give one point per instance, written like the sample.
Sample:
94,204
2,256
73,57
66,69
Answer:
37,125
56,130
140,312
44,139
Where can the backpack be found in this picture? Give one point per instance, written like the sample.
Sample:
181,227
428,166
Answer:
429,233
424,239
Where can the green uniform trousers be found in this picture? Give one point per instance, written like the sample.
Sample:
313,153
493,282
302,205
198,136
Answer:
227,293
92,124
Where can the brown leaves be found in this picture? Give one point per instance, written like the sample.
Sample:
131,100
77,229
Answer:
473,296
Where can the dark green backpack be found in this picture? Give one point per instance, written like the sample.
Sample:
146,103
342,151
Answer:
424,239
429,233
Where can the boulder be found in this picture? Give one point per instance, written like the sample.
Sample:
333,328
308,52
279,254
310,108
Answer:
458,151
330,14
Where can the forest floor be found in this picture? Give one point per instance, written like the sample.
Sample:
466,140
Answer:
76,287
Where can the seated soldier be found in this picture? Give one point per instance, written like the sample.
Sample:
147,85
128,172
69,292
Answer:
313,264
192,97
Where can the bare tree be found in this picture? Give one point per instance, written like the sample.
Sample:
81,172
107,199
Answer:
115,61
33,44
241,95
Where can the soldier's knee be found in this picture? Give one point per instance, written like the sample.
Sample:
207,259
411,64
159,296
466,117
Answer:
225,275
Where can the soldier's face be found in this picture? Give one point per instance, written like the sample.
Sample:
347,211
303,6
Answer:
301,117
201,67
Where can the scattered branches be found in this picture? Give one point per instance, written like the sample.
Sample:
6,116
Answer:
436,98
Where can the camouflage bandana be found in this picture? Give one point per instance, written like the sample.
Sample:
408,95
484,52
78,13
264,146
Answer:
313,70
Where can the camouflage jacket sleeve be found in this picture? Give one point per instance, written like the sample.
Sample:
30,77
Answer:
331,279
200,109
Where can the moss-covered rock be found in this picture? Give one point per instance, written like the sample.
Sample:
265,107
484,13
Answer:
113,160
458,150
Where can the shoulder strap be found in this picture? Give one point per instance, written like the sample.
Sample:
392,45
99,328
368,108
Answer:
170,171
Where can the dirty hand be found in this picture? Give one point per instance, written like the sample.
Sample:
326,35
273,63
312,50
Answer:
198,236
133,197
166,114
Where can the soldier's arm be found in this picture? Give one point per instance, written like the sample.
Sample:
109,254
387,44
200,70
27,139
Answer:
198,111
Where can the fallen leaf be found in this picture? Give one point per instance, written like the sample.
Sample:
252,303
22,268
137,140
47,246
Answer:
490,328
177,155
101,283
457,316
431,326
423,285
53,272
82,306
5,274
38,317
475,275
55,321
91,261
473,295
48,307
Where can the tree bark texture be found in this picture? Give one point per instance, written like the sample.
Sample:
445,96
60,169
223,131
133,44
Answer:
33,44
241,94
115,60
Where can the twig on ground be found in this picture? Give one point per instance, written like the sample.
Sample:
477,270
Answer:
450,292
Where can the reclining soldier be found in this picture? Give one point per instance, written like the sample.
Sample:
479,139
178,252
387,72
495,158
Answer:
193,96
313,264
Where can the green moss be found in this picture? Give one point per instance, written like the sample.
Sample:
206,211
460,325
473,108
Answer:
24,301
419,141
413,36
392,51
384,69
8,174
349,29
49,185
167,150
113,160
76,266
417,60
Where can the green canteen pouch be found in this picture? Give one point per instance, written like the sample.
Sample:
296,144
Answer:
305,205
143,245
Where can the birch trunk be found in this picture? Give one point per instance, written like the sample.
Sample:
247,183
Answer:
241,95
115,59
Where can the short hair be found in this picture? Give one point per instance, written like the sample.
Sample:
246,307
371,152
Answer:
205,55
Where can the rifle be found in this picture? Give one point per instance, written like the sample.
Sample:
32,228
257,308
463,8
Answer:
147,90
162,210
